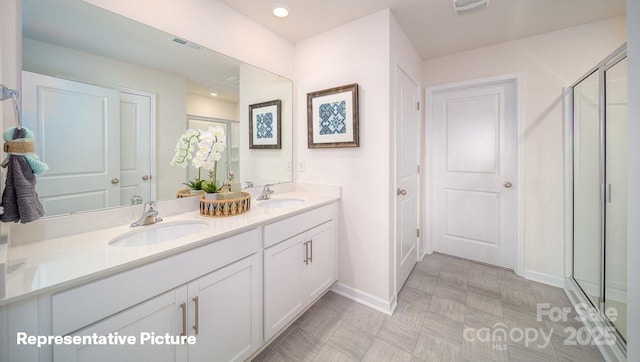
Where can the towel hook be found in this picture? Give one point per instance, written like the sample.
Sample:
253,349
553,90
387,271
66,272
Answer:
7,93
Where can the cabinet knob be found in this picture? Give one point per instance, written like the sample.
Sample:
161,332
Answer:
115,181
145,177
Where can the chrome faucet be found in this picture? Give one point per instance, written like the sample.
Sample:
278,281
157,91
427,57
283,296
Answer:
266,192
149,215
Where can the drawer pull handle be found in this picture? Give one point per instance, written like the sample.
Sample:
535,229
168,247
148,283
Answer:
195,326
311,257
306,253
183,306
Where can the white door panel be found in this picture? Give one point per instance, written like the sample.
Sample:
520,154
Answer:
135,147
406,140
82,167
474,157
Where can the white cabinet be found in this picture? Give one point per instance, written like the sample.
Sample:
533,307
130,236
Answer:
160,315
212,293
226,312
221,310
321,269
297,270
284,279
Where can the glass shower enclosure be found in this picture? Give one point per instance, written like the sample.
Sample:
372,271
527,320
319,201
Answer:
597,130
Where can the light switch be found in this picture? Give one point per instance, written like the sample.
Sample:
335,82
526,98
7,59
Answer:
301,166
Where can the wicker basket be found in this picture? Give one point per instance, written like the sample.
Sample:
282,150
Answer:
231,207
188,193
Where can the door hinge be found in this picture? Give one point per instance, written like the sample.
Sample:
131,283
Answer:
417,106
417,233
418,169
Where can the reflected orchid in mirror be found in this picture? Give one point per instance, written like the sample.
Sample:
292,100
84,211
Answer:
203,148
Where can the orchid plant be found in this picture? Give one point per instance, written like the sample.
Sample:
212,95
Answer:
203,148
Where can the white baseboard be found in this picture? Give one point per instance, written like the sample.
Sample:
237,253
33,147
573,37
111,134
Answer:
365,298
544,278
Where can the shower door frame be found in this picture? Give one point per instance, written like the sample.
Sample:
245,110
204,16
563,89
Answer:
575,292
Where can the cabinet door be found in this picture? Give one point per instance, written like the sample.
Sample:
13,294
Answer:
160,315
321,271
225,312
284,299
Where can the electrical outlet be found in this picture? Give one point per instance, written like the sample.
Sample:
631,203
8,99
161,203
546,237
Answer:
301,166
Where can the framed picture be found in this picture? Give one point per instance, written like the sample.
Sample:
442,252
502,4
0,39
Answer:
332,117
264,125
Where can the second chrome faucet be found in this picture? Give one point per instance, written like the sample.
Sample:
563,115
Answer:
266,192
149,215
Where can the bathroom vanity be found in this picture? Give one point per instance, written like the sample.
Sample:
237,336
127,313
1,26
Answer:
219,293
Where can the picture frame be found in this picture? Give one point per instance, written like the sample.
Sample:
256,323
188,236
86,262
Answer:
265,121
332,117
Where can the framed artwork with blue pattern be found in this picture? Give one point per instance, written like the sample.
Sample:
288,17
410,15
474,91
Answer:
264,125
332,117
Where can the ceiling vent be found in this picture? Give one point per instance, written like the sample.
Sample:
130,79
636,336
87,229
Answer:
466,6
185,43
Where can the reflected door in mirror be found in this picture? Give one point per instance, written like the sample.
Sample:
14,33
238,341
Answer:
78,134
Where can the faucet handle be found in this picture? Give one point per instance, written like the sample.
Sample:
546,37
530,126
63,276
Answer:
150,206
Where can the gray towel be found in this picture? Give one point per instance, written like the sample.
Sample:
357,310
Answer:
19,199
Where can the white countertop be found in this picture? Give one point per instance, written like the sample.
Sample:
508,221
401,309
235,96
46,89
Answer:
63,262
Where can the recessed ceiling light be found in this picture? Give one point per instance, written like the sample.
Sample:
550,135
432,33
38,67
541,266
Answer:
213,94
280,10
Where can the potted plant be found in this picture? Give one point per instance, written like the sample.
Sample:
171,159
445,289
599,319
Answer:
203,148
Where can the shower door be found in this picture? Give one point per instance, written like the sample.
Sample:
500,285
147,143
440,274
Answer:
615,210
600,139
587,206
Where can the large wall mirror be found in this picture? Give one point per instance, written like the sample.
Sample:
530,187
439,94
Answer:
108,97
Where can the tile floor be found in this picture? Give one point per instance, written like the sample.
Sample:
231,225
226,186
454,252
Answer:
449,310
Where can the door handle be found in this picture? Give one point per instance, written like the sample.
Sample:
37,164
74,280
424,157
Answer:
145,177
115,181
402,192
507,184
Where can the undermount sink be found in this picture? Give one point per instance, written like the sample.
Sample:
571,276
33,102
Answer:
159,233
278,203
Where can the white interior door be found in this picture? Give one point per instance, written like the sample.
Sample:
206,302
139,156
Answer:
135,148
77,134
474,173
406,176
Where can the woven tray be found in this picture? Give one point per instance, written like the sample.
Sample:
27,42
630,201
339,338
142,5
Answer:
187,193
231,207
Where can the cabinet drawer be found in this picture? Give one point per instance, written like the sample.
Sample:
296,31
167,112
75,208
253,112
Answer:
285,229
81,306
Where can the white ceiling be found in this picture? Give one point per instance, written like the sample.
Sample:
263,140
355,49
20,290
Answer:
431,25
